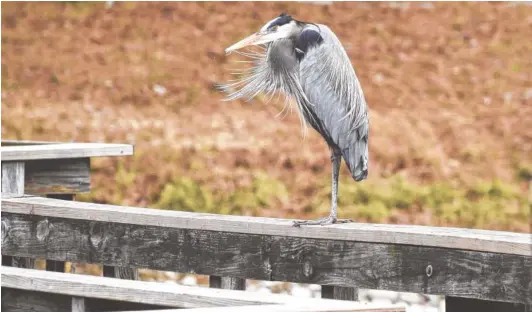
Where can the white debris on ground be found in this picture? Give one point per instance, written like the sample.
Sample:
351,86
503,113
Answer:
414,302
158,89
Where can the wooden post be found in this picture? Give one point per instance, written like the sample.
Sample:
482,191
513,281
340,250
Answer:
78,304
339,292
13,182
457,304
52,265
233,283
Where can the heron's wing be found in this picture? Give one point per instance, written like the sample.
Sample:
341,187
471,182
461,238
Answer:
336,101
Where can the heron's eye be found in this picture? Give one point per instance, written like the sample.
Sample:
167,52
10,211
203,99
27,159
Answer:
274,28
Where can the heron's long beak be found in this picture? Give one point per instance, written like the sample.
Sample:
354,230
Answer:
255,39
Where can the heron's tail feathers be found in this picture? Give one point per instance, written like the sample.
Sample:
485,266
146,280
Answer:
356,154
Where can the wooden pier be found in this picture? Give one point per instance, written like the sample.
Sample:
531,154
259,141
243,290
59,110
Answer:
477,270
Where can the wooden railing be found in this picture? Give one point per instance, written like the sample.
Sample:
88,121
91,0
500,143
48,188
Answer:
35,290
56,170
470,264
476,270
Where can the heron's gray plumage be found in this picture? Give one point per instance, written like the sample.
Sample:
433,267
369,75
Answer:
307,63
323,85
331,85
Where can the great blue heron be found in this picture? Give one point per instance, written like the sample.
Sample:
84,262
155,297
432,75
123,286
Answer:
307,63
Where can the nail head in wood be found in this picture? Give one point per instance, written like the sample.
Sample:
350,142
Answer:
428,270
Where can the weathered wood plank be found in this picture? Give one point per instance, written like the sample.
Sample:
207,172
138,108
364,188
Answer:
339,292
302,307
227,282
19,300
57,176
13,177
454,238
64,150
51,265
95,305
170,295
13,184
418,269
455,304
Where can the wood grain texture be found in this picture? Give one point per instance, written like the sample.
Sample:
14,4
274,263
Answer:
454,238
64,150
461,273
227,282
301,307
169,295
52,265
13,184
57,176
339,293
13,177
19,300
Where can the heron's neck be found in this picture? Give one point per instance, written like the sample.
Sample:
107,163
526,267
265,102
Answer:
282,56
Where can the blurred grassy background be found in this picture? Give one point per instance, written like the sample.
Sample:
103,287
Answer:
448,85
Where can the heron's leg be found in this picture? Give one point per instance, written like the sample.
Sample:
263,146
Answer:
336,158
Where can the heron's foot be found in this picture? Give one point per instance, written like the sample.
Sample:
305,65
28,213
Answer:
322,221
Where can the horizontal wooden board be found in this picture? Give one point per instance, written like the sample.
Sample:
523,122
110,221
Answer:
454,238
57,176
171,295
64,150
302,307
419,269
18,300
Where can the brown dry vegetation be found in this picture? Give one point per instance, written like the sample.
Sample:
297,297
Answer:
448,85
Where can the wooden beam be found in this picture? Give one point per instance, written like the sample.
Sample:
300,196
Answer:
170,295
63,150
302,307
57,176
17,300
422,236
419,269
13,184
20,300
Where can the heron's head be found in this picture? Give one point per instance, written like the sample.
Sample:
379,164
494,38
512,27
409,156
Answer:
281,27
